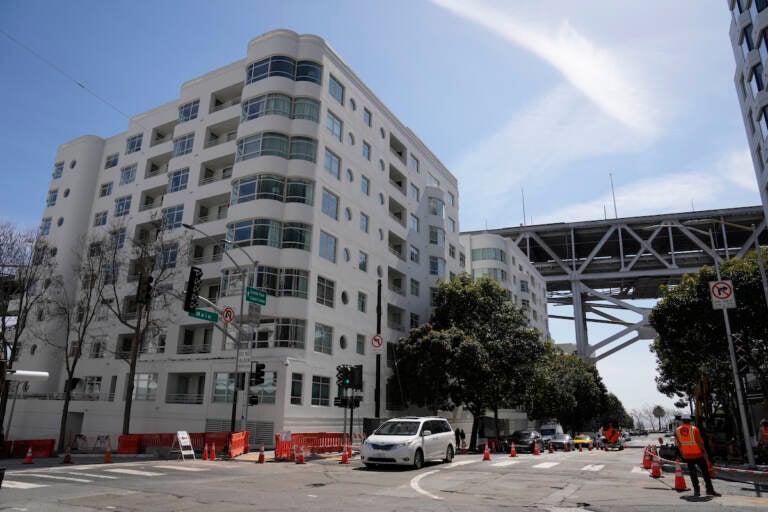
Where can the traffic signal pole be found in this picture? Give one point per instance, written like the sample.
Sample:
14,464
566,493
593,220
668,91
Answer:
377,389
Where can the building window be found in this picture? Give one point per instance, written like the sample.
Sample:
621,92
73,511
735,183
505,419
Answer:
282,105
415,285
308,71
100,219
188,111
58,170
98,346
297,385
333,125
366,151
436,207
122,206
436,236
45,226
306,108
757,79
360,344
276,144
52,196
325,291
362,302
462,260
105,189
133,144
145,386
414,320
451,225
303,148
452,251
323,338
177,180
413,254
271,186
335,89
489,253
332,163
169,255
330,205
183,145
288,235
363,222
365,185
286,67
413,191
172,216
128,174
756,7
437,266
328,247
223,387
321,390
362,263
117,238
413,163
111,160
451,199
524,286
414,223
432,181
367,117
746,41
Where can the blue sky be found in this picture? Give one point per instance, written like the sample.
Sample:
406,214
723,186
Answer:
510,95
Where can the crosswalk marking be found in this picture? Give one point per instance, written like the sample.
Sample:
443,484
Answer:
637,469
546,465
134,472
181,468
91,475
14,484
593,467
505,463
54,477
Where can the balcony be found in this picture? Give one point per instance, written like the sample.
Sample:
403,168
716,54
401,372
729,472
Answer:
185,388
212,208
396,246
216,170
201,348
184,398
227,97
396,281
398,180
162,133
157,165
397,212
397,148
221,133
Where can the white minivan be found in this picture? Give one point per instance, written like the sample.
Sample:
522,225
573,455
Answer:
409,440
548,431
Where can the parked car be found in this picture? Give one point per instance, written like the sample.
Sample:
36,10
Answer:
560,441
626,435
584,440
548,431
411,441
525,441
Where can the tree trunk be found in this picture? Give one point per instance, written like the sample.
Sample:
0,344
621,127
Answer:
473,437
132,373
3,405
64,413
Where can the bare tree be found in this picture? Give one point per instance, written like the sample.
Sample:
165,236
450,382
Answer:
647,411
150,260
27,266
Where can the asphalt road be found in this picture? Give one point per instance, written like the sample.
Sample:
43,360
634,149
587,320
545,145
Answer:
559,482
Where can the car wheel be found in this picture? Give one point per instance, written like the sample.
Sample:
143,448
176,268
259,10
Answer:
418,459
448,454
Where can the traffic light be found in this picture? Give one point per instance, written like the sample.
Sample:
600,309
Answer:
253,399
193,288
144,290
742,363
240,381
257,374
344,375
357,377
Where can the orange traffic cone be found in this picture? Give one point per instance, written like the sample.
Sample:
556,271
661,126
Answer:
566,448
300,455
536,449
28,458
349,450
67,457
551,450
344,456
647,458
486,454
108,454
261,454
679,478
512,451
212,454
655,468
580,449
205,451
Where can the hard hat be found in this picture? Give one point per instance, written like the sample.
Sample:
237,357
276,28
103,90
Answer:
685,416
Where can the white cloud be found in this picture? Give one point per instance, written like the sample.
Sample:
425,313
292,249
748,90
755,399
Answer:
596,72
737,168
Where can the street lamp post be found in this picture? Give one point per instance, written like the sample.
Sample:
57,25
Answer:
244,278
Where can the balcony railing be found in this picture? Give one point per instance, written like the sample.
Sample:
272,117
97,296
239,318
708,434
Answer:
199,348
77,396
183,398
206,259
215,140
225,104
156,171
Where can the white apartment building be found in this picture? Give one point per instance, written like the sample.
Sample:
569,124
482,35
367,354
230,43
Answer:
500,259
290,156
749,39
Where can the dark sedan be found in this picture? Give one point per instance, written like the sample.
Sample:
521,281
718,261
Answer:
560,441
525,440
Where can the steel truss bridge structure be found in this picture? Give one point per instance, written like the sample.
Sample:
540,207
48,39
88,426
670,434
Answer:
597,267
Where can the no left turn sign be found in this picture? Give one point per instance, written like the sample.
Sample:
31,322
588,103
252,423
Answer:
228,314
722,295
377,341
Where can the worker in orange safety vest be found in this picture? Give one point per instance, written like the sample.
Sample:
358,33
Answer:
763,433
691,446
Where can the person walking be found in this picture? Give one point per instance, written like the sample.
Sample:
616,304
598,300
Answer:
458,438
691,444
463,437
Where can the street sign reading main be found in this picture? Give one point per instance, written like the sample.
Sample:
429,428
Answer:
204,315
256,296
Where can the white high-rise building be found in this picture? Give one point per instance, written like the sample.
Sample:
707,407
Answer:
749,38
291,157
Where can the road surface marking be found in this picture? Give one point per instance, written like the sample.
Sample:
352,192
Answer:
181,468
638,470
53,477
91,475
593,467
504,463
415,484
134,472
13,484
558,496
461,463
546,465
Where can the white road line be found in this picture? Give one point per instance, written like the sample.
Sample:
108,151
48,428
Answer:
546,465
558,496
54,477
181,468
461,463
91,475
593,467
134,472
504,463
415,484
13,484
637,469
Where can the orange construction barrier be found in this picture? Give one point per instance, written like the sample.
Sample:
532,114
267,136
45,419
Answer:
486,453
512,451
28,458
679,478
647,457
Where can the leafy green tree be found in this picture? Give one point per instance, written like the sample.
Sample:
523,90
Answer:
659,412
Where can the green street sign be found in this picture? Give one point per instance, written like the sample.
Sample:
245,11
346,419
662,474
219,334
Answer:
204,315
256,296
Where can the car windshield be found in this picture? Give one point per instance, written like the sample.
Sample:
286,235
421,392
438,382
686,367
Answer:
398,428
560,437
547,431
521,436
